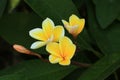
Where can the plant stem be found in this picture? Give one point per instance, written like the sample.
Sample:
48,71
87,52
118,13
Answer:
85,65
23,50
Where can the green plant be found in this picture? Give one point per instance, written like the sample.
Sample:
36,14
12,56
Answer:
98,44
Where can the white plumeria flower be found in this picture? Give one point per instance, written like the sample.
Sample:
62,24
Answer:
48,33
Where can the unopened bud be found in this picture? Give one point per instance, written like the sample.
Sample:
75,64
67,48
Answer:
21,49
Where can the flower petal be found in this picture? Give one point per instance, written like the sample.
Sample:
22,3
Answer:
54,59
48,27
66,25
38,34
38,44
53,49
81,25
58,33
69,51
67,47
65,62
64,41
73,20
65,22
76,21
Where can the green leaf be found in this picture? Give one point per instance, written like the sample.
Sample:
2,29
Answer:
78,3
84,43
113,34
13,77
110,62
118,17
15,28
107,11
55,9
2,6
84,40
103,68
13,4
101,36
37,70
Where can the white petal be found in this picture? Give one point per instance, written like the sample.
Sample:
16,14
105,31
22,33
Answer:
37,44
38,34
54,59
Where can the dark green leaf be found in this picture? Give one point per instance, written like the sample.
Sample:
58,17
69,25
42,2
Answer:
107,11
55,9
110,62
2,6
15,28
108,40
103,68
118,17
16,76
37,70
13,4
84,40
78,3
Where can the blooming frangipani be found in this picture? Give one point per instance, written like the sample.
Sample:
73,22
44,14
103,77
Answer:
61,52
48,33
75,25
60,47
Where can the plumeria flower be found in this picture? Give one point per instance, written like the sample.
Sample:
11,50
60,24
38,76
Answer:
48,33
75,25
61,52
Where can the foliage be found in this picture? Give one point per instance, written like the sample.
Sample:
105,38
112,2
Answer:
98,44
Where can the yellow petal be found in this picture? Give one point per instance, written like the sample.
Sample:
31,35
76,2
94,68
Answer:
73,20
63,43
53,49
37,44
65,62
53,59
48,27
67,47
58,33
69,51
66,25
81,25
65,22
38,34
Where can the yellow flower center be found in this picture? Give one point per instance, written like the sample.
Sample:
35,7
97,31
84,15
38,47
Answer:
50,39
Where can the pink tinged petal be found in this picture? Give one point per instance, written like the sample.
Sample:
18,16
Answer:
66,25
53,59
76,21
37,44
38,34
58,33
65,62
73,29
53,49
48,27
